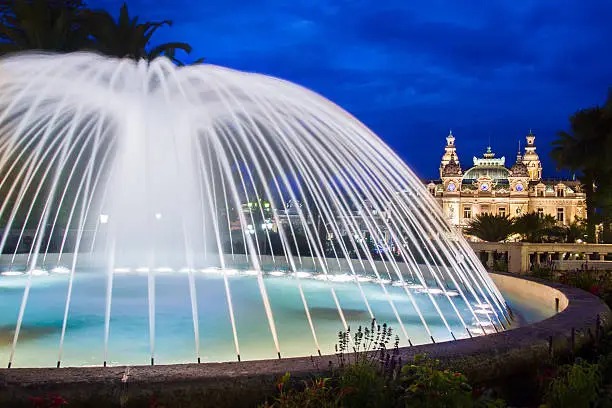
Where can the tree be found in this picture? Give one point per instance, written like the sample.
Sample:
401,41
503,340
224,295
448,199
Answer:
171,54
127,38
491,228
576,230
533,227
68,26
585,151
48,25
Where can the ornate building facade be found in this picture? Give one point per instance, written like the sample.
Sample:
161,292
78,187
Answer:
489,186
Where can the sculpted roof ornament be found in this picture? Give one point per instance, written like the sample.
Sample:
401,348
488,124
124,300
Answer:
452,169
519,169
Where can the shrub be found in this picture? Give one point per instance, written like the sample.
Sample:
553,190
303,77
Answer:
542,272
370,376
426,385
585,279
575,386
500,266
315,394
369,371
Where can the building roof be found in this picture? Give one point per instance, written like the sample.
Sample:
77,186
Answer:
495,172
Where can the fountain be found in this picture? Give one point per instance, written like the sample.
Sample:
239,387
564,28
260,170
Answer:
205,214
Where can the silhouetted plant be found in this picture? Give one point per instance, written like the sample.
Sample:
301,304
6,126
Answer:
367,343
368,368
490,227
533,227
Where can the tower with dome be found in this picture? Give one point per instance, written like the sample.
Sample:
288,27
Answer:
489,186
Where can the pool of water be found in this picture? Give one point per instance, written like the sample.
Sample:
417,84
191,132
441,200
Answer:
174,340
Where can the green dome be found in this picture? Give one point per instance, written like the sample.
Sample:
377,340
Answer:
497,173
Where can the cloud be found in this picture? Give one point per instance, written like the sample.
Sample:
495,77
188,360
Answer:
413,69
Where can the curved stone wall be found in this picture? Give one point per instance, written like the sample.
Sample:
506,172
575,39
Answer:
484,359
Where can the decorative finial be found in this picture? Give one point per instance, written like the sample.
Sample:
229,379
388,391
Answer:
519,157
450,132
530,132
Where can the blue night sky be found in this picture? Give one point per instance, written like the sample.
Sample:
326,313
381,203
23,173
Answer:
411,70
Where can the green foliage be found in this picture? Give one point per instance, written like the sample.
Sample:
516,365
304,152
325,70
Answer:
542,272
314,394
369,371
577,230
585,279
491,228
575,386
50,25
370,376
533,227
500,266
363,384
126,37
425,385
581,150
67,26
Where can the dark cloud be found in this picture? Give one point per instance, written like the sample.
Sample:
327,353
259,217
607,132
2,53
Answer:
412,69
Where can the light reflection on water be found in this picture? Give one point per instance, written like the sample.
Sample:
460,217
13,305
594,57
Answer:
129,329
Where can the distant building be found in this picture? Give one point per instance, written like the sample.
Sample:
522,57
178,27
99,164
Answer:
491,187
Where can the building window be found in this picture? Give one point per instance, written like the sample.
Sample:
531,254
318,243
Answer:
541,212
560,215
540,193
502,211
467,212
560,192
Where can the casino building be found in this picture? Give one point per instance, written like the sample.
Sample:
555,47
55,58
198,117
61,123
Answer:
489,186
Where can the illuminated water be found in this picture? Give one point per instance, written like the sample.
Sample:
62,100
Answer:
129,334
153,167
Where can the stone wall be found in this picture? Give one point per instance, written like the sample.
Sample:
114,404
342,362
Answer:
522,255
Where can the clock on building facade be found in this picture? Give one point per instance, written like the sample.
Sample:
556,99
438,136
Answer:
497,189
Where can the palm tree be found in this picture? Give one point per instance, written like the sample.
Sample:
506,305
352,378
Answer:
171,54
127,38
533,226
576,230
491,228
583,150
49,25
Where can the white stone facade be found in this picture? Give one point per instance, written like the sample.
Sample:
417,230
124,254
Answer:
489,186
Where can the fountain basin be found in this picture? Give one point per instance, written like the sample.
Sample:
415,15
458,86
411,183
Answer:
359,293
486,358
